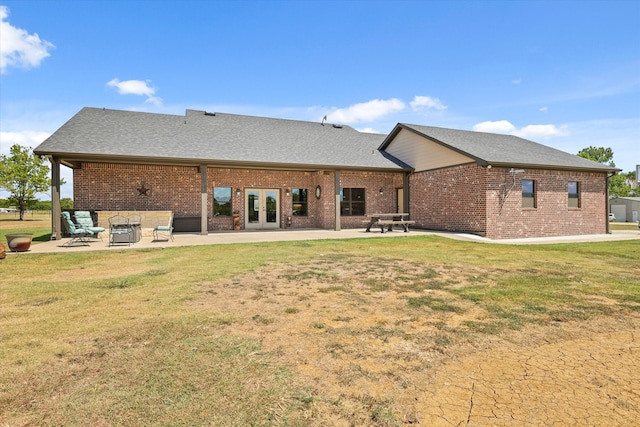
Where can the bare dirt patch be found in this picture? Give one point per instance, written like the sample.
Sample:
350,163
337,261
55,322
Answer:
391,343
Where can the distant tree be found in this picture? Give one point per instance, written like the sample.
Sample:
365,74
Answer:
66,203
632,180
619,184
598,154
41,205
23,175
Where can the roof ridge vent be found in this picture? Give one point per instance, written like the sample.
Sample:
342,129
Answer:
206,113
337,126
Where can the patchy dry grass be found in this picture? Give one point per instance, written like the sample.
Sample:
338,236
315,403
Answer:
38,223
341,333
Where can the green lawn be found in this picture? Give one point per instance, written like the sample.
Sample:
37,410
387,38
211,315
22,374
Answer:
623,226
115,338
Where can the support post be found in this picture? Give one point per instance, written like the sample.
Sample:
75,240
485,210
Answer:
606,202
337,198
406,194
203,190
56,210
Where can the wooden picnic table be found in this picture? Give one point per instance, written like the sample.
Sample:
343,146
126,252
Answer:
386,221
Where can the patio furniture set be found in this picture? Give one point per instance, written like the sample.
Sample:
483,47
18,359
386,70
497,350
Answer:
122,229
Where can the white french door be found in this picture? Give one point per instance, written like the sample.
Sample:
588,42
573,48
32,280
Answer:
262,208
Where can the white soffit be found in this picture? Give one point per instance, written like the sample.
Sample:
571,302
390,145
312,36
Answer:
423,154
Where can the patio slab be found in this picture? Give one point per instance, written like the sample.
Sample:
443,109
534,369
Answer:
231,237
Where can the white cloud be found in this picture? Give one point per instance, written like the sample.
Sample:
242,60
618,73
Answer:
529,131
516,81
25,139
421,102
136,87
366,111
544,109
18,48
367,130
541,131
500,126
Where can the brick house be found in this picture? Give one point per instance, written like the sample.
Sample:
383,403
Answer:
274,173
499,186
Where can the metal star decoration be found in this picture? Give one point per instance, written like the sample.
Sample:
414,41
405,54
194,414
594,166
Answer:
143,190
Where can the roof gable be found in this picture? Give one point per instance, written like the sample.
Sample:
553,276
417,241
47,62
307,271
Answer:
498,149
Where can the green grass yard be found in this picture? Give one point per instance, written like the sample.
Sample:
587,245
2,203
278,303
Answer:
278,333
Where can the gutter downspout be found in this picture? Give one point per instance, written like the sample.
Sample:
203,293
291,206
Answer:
606,205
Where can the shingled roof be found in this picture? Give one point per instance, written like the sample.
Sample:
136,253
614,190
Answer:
198,137
500,150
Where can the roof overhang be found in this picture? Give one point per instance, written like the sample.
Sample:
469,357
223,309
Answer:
547,167
75,161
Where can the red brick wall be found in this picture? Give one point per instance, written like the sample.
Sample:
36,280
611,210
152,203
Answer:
464,198
449,199
375,202
101,186
247,178
113,187
551,216
472,199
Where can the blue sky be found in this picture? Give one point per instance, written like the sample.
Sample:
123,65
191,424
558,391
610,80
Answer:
562,73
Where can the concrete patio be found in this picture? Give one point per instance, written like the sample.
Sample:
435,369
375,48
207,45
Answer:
231,237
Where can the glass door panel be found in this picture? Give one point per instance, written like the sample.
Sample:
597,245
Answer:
271,197
262,208
253,206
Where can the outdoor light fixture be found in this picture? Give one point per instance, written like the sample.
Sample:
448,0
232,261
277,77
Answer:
381,191
238,192
287,192
318,192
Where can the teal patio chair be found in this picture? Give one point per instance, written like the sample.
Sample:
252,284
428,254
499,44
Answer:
83,219
166,231
77,234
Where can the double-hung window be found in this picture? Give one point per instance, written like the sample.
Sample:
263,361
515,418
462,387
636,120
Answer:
222,201
528,193
299,196
352,201
573,192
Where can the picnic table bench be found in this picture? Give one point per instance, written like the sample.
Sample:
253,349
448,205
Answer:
386,221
